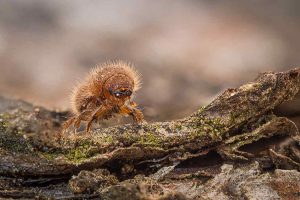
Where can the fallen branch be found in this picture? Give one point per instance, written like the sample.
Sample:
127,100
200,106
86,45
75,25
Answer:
30,143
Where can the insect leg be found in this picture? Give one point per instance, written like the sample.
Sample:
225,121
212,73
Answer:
98,114
84,116
68,123
133,111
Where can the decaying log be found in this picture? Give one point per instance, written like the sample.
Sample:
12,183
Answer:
31,145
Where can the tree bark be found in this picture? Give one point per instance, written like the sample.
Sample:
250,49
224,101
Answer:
31,144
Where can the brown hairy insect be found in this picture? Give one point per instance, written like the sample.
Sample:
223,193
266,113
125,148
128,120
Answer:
106,91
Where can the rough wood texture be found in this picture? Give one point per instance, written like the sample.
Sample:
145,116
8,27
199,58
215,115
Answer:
33,150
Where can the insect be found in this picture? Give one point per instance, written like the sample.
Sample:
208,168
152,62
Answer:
105,92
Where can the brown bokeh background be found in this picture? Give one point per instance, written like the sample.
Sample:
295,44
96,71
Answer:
187,51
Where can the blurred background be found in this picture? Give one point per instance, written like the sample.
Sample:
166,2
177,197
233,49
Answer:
187,51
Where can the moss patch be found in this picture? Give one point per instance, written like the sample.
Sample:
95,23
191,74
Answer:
150,139
83,150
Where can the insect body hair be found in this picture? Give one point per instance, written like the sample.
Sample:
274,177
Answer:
92,86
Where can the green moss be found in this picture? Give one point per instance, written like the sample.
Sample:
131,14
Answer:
83,150
8,117
50,155
107,139
201,109
237,117
149,139
4,122
212,128
14,144
78,154
128,139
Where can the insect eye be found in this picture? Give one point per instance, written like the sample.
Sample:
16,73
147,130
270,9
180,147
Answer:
118,94
122,93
